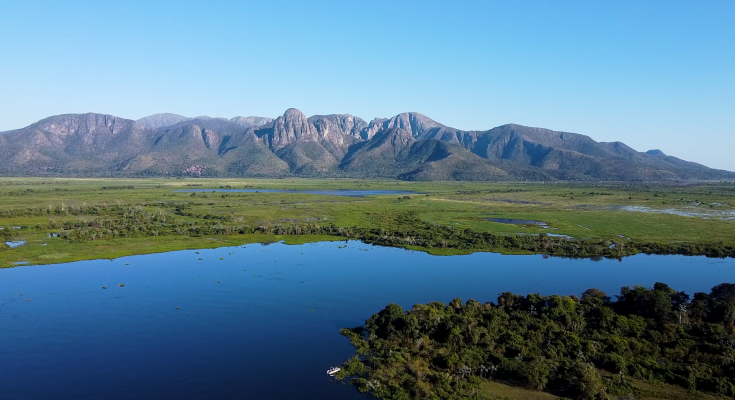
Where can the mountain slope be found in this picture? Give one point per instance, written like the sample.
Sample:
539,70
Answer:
306,148
379,156
437,160
407,146
73,143
395,152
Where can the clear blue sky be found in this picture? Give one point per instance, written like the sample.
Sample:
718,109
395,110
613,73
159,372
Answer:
652,74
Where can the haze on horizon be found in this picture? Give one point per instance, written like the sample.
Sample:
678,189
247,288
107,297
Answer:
651,75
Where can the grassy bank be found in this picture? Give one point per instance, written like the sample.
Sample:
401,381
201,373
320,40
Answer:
55,251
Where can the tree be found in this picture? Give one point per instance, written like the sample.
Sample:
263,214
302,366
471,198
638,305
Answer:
724,292
586,382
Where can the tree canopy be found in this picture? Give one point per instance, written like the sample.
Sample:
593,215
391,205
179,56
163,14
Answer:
564,344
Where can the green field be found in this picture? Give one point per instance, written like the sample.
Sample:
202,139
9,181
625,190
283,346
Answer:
41,206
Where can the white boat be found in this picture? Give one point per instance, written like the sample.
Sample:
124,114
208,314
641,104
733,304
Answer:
334,370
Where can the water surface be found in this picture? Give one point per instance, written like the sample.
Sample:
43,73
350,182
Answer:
256,321
516,221
338,192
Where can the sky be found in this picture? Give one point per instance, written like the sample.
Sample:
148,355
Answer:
651,74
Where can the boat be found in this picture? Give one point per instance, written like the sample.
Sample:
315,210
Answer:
333,370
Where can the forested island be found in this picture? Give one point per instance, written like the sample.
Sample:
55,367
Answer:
587,347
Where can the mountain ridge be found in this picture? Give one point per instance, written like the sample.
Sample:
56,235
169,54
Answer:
406,146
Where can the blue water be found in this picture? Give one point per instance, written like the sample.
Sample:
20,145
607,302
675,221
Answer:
262,323
340,192
516,221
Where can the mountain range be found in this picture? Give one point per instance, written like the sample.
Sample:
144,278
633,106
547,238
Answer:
408,146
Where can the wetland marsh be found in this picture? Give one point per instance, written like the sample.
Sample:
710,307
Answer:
108,218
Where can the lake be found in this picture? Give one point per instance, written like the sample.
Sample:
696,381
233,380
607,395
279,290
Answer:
257,321
338,192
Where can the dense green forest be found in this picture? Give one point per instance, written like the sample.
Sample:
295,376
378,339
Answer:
583,348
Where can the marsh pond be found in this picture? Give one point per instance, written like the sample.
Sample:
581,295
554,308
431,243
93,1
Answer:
335,192
258,321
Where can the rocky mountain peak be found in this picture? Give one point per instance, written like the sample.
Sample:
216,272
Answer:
417,124
291,127
293,114
337,125
373,127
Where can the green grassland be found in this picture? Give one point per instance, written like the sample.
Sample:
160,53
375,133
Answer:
643,390
595,211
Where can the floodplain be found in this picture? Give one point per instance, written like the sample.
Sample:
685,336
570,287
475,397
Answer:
65,219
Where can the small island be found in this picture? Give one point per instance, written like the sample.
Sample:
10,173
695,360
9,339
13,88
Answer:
583,348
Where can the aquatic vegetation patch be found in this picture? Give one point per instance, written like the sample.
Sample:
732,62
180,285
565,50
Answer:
707,214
